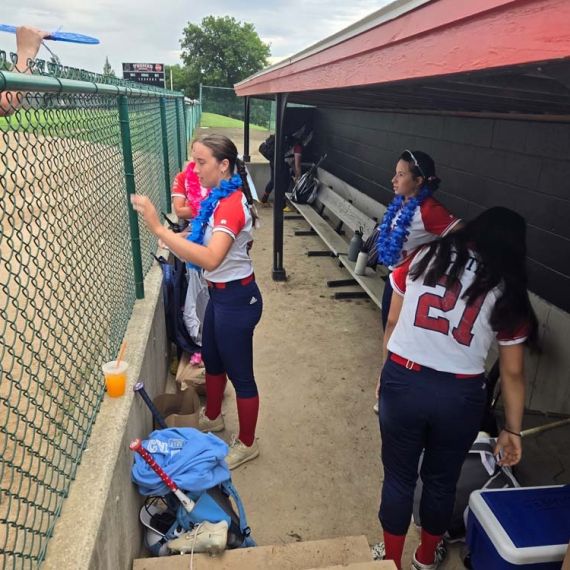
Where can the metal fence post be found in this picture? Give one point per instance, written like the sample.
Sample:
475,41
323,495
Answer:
246,113
179,134
131,189
280,179
164,128
186,135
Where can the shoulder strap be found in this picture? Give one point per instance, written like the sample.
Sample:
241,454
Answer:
228,487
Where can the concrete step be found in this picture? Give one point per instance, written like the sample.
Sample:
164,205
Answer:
351,552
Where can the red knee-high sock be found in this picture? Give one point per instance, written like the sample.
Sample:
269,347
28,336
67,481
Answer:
215,386
426,550
248,409
394,544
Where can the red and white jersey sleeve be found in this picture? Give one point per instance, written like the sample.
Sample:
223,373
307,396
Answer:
233,217
431,220
229,215
178,185
437,329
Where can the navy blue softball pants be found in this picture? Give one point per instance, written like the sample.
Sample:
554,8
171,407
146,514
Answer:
227,337
430,410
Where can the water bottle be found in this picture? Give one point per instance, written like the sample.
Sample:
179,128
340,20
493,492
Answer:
355,245
361,262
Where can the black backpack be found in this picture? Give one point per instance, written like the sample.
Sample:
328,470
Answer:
479,471
174,289
305,189
267,148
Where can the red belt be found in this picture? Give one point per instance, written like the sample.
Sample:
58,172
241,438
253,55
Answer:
410,365
245,281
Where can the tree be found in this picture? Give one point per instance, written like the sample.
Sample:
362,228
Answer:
107,69
222,52
180,78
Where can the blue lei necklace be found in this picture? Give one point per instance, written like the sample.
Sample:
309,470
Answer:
391,239
207,207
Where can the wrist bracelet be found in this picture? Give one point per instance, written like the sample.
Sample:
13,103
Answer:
518,434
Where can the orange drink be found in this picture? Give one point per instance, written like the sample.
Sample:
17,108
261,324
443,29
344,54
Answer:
115,378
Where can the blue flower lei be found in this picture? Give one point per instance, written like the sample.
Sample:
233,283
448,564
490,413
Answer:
207,207
391,239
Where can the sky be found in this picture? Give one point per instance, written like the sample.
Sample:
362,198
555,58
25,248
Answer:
149,31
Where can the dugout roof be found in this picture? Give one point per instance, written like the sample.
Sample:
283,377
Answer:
477,56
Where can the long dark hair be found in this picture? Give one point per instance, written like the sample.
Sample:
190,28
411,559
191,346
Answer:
222,148
497,238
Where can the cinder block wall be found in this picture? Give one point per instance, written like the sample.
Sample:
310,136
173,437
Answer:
483,162
524,165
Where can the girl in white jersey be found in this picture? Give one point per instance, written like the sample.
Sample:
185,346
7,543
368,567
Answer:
413,218
451,301
219,246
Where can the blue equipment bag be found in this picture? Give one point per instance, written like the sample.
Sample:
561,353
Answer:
196,463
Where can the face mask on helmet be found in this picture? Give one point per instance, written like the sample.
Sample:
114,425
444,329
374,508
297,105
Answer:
160,525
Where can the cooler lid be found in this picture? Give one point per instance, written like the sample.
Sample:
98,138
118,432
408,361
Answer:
533,516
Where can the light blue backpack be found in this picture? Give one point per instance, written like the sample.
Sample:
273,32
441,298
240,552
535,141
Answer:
196,463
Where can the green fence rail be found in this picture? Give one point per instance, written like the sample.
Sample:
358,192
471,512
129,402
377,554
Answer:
73,146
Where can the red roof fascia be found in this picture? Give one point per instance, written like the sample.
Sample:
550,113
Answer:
439,38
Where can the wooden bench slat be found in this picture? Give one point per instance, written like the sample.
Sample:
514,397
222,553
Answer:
372,282
359,200
355,210
333,241
345,211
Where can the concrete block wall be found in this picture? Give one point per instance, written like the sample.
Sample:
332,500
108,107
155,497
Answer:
524,165
483,162
99,525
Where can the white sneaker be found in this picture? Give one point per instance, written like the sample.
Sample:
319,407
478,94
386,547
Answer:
440,554
204,537
240,453
375,407
378,551
206,424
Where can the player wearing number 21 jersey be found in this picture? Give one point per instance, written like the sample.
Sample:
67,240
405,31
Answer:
451,300
437,329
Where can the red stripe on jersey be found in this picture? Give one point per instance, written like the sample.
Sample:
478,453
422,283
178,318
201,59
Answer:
399,275
229,214
178,184
436,218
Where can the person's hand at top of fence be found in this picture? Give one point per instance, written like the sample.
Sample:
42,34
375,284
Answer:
28,42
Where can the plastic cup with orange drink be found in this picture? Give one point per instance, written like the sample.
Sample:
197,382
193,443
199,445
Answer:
115,377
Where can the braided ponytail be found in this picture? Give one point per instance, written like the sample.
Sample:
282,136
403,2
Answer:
241,170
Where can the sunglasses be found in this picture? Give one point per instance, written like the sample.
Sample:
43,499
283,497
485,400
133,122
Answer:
415,161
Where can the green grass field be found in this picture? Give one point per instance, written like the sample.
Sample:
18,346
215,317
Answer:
212,120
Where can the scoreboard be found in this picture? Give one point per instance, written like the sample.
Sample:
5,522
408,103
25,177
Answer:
147,73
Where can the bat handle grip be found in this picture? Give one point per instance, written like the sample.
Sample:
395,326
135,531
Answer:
136,446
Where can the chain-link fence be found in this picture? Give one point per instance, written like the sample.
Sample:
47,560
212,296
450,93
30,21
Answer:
223,101
73,146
